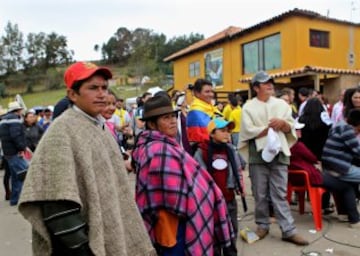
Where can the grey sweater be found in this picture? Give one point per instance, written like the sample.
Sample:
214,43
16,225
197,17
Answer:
341,149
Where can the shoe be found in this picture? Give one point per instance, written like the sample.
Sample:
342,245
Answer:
7,194
293,202
328,211
355,225
343,218
295,239
261,233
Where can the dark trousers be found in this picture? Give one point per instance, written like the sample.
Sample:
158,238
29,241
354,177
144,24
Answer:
179,248
325,200
345,196
6,179
230,251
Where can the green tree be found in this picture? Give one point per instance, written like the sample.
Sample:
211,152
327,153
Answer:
117,49
35,47
2,63
56,51
177,43
108,51
142,60
123,45
143,51
12,44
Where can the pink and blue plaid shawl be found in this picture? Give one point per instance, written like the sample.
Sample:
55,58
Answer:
169,178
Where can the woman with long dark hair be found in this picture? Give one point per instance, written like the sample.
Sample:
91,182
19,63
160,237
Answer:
351,100
317,124
315,133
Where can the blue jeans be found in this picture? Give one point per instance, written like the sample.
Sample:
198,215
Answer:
16,164
235,139
353,175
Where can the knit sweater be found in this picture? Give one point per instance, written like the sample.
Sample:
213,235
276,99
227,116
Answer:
341,148
79,161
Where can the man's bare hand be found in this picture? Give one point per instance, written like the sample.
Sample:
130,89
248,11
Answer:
263,133
279,125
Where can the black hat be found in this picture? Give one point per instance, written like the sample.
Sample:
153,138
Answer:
157,106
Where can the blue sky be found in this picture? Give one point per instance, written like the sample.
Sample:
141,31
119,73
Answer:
88,22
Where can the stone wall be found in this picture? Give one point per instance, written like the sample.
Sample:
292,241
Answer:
333,87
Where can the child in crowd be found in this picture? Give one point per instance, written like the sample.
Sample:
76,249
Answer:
111,120
225,165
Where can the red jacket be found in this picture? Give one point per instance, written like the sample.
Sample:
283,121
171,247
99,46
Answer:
303,159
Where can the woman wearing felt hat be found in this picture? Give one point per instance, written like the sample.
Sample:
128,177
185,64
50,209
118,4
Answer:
176,197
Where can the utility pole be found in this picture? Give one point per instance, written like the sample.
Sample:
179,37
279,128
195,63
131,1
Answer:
351,54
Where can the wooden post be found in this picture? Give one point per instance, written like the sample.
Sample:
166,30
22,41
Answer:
317,82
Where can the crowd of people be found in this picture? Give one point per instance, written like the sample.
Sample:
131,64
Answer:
186,159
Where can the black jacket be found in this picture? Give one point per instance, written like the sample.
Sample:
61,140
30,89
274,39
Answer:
12,134
33,135
61,106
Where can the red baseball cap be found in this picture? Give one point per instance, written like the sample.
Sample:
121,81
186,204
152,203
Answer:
83,70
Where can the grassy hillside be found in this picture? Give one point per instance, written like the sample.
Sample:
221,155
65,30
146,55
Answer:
44,92
37,99
51,97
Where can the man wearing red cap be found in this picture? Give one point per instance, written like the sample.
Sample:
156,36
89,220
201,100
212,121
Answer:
76,195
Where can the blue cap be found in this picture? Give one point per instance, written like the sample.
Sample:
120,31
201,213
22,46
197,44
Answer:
219,123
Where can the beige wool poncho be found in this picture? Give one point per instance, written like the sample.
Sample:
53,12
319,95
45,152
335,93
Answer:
79,161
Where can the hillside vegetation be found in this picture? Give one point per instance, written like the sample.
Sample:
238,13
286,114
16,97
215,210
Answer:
50,97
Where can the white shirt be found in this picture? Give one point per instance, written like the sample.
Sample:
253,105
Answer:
337,112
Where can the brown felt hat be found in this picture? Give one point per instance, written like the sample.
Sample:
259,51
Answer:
157,106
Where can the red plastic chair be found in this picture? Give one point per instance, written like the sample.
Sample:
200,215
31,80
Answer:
298,181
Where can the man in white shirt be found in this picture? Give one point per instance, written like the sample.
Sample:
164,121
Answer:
268,166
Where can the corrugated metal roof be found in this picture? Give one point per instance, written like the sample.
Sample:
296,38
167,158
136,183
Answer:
234,32
308,69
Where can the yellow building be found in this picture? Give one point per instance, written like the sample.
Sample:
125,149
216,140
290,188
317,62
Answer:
298,48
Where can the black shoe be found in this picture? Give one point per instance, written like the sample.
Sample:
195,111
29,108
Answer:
328,211
293,202
7,194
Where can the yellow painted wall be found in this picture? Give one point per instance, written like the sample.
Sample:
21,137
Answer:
336,56
295,51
